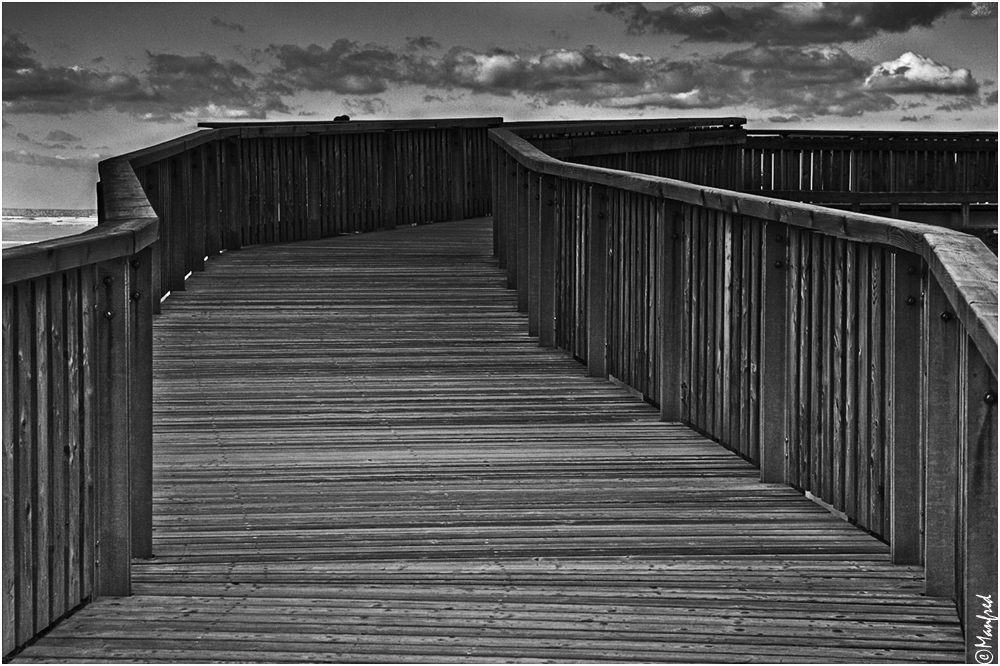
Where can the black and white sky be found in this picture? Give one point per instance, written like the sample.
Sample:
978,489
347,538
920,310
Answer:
84,81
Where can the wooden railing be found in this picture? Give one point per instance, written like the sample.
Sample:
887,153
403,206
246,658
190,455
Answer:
705,151
77,339
850,356
77,419
890,171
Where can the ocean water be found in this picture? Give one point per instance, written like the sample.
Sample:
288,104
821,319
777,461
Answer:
24,226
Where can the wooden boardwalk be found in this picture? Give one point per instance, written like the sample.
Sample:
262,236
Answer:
361,456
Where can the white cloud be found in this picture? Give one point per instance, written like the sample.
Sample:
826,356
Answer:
914,73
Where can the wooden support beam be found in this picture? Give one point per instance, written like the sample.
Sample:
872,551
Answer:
597,279
523,237
774,438
550,206
140,408
903,315
672,257
390,202
980,597
114,542
533,198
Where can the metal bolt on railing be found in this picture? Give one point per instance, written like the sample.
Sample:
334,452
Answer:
911,300
947,316
990,398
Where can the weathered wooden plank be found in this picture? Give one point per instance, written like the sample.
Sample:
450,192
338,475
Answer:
75,304
140,412
111,469
10,445
597,274
58,428
774,436
42,455
903,378
940,347
24,495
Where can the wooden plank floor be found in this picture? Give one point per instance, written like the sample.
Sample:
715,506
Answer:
361,456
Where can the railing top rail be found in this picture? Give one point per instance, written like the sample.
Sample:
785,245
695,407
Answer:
525,127
960,262
355,125
131,226
872,134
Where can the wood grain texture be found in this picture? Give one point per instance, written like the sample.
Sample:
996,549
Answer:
360,455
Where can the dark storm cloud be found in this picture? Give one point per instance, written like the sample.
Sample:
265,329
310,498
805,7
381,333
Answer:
234,27
172,86
62,137
778,23
346,67
421,43
31,87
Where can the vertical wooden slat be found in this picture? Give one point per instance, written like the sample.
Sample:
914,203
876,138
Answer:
140,393
88,445
837,324
213,195
534,257
43,455
234,201
978,492
112,464
773,354
10,430
74,399
24,495
597,273
851,373
523,238
794,304
550,204
197,200
861,509
58,427
179,237
903,371
877,390
314,229
940,343
673,246
512,224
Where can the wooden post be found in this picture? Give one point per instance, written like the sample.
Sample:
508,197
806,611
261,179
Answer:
940,341
500,213
235,206
523,238
550,206
597,278
672,249
533,198
178,223
194,188
114,542
141,403
774,438
389,199
314,220
510,219
492,156
980,597
903,374
456,140
213,183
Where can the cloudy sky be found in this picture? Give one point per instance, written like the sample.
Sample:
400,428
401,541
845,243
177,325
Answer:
84,81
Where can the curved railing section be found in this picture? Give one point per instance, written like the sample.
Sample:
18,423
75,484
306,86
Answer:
77,338
943,178
77,423
851,356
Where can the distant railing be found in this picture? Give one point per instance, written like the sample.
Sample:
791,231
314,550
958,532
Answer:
77,343
850,356
77,419
888,171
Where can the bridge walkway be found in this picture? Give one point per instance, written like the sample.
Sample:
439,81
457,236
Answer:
361,456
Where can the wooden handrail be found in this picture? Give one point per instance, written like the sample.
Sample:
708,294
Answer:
848,355
973,292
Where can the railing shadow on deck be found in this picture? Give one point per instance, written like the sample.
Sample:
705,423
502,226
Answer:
699,297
